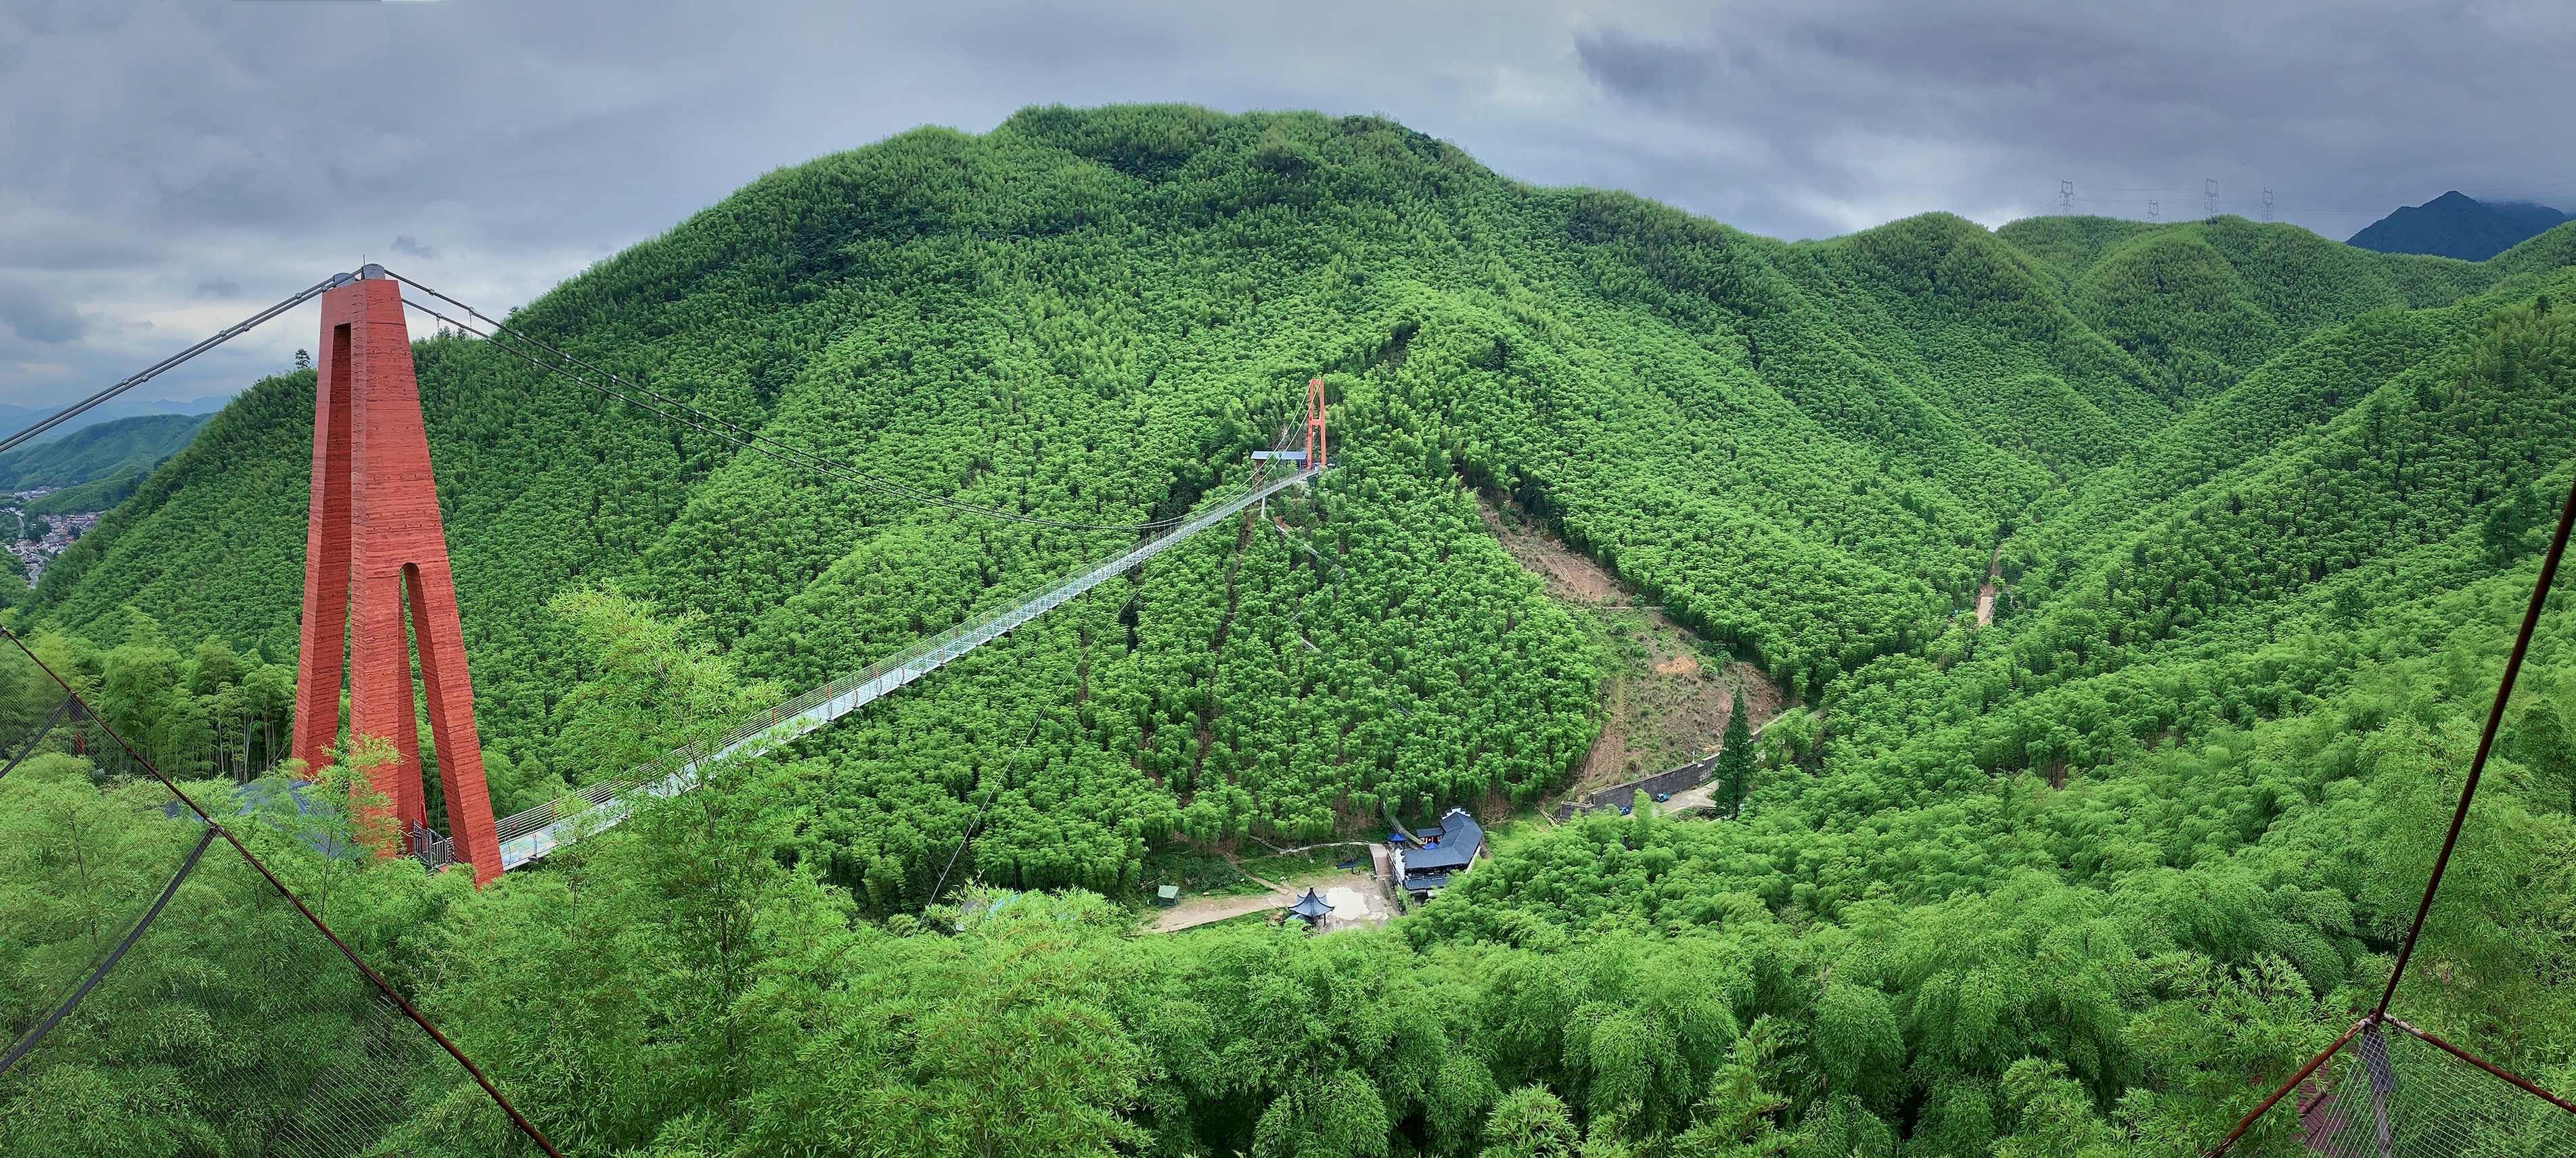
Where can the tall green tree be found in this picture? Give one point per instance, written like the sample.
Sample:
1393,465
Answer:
1735,758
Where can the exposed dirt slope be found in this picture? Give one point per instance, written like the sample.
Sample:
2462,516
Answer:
1668,695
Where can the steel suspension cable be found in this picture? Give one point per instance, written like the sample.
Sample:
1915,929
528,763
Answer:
167,364
37,1035
2486,742
2515,1080
739,430
727,429
2248,1120
829,468
2442,861
669,407
525,1127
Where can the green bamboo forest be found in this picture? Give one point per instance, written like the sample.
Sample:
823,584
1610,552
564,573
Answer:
2260,512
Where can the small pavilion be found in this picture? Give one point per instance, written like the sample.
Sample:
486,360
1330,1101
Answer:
1313,908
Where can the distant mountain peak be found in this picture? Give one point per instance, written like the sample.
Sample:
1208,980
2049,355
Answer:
2458,225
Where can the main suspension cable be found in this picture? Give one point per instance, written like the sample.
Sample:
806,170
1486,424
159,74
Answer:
165,365
691,417
624,389
653,401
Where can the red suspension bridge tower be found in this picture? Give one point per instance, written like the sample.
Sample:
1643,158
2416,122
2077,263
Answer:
1314,424
375,547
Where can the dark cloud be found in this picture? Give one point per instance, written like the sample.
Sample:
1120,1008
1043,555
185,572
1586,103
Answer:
38,317
2345,110
149,150
218,287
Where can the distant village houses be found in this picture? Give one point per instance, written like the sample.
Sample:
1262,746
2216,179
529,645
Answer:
34,548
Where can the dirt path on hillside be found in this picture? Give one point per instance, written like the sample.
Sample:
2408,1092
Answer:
1662,705
1208,910
1358,901
1986,594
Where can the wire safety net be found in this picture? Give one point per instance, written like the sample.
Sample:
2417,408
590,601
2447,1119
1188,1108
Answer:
158,992
2391,1094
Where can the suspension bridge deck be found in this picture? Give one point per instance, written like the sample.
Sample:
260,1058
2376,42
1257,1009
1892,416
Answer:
547,827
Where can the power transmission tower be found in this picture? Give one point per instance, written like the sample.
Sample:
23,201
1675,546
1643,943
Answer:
2066,196
2209,196
2155,211
2267,205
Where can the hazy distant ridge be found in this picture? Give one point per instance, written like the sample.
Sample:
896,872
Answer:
2456,225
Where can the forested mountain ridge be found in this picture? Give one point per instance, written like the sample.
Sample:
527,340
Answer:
103,450
2066,884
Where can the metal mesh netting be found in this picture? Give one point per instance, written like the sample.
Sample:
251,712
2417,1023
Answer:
160,994
2389,1094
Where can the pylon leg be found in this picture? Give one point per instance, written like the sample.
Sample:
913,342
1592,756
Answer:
324,632
441,639
1315,448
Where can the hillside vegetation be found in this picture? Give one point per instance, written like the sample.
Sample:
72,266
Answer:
2261,508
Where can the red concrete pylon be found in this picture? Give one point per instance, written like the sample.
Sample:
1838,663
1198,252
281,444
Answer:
1314,424
375,543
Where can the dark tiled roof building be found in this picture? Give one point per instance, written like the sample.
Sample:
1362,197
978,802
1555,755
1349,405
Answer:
1446,852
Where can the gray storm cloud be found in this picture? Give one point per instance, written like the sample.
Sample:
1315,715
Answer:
153,152
2344,109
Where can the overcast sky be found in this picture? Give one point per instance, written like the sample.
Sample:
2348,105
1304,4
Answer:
168,168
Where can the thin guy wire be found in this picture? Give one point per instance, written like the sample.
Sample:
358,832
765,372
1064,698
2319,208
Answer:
981,809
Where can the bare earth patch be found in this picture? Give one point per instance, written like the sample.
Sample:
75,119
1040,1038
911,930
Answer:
1665,703
1570,575
1358,900
1986,594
